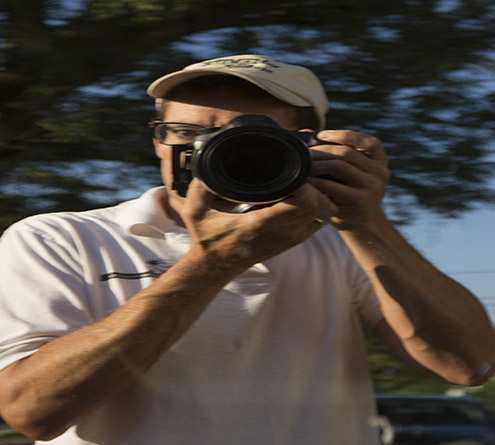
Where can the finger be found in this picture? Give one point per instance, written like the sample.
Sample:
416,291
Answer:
198,199
340,194
305,204
311,204
342,152
349,172
369,145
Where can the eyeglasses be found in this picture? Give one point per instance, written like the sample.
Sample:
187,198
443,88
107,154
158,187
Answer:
172,133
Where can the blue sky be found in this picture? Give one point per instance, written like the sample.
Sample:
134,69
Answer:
463,248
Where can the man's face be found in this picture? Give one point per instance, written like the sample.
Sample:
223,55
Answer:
216,108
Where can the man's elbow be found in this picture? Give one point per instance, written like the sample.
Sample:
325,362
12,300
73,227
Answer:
474,374
481,374
484,367
32,425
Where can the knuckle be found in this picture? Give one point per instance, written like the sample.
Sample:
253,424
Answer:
346,151
382,173
371,142
376,181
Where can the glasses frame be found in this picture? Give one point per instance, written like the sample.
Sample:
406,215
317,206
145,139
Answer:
154,125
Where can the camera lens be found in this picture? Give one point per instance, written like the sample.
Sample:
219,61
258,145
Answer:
253,161
252,164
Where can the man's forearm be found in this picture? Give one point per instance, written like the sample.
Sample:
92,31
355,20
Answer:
71,375
439,322
44,394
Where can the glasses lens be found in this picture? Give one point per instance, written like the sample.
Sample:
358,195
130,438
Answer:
172,134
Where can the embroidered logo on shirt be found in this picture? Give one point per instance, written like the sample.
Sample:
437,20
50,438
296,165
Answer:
157,267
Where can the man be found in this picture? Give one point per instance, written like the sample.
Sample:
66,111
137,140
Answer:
174,320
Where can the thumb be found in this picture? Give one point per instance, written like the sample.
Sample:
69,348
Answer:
198,199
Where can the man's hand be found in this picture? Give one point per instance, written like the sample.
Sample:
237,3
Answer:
245,239
359,170
45,393
428,318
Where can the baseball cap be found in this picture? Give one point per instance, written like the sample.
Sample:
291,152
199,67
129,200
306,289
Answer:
292,84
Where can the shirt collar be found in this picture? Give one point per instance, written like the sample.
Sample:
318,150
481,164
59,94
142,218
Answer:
145,215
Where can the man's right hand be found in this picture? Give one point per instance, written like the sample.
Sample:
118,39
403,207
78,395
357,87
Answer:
45,393
248,238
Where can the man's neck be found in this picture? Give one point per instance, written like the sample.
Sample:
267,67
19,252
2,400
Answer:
172,207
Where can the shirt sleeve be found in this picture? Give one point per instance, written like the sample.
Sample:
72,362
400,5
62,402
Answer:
42,290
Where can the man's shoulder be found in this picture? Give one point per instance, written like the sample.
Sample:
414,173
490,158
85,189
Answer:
60,221
67,224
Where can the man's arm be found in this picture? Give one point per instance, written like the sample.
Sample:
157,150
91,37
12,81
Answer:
45,393
439,323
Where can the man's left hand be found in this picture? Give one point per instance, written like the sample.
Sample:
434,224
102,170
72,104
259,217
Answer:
352,174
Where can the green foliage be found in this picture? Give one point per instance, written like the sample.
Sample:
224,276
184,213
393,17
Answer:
8,436
136,10
413,73
392,375
487,394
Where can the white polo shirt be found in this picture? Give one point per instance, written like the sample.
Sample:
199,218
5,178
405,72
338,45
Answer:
278,357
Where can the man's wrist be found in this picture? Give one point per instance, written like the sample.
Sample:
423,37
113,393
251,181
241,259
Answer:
364,225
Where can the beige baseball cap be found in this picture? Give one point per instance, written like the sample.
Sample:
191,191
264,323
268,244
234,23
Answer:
292,84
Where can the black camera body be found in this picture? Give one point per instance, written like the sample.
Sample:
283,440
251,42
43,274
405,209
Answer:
249,160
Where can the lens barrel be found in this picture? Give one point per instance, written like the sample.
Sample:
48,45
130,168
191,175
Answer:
251,163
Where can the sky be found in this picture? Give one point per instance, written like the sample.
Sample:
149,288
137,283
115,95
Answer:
463,248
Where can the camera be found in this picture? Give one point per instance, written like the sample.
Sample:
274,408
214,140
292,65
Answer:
251,159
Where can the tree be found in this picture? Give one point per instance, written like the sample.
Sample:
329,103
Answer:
413,73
